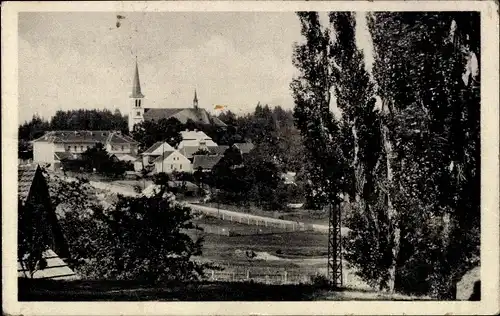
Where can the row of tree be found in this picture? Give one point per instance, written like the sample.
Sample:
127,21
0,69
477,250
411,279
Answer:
406,151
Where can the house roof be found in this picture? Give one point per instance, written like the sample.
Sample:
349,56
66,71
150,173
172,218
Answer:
65,155
165,155
104,137
197,115
219,150
155,146
196,135
205,161
189,151
245,148
25,176
126,157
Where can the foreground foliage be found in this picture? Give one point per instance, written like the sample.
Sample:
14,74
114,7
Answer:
133,238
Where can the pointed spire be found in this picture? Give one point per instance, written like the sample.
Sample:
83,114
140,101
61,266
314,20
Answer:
195,100
136,85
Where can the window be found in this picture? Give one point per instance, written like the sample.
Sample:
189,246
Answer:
139,102
136,103
123,148
75,148
180,167
171,166
81,148
69,148
138,113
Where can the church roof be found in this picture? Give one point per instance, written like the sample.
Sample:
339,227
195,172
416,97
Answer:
136,85
197,115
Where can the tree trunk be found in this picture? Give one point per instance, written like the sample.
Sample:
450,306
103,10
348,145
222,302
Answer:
391,211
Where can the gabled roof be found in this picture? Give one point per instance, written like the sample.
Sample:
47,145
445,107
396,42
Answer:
127,157
245,148
195,135
155,146
92,137
25,176
164,156
219,150
65,155
197,115
205,161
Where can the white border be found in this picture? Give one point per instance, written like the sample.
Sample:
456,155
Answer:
489,159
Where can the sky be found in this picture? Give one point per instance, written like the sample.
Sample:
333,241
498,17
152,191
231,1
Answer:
83,60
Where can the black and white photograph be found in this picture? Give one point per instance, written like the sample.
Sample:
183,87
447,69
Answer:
314,152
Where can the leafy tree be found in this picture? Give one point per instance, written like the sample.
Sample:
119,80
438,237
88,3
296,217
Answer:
115,240
318,127
149,132
431,141
369,244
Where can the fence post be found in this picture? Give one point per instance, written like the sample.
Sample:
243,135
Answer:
213,273
248,218
285,276
248,274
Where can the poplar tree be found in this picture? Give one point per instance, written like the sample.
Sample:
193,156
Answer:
318,127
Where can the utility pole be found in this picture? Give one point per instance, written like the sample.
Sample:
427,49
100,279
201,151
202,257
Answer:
334,246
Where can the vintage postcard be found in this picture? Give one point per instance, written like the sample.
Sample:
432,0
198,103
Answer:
250,157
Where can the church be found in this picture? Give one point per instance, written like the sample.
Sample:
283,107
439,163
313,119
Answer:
139,113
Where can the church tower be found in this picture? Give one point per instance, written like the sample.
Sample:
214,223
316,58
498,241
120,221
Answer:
195,100
136,113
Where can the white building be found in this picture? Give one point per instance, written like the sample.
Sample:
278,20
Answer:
171,161
55,146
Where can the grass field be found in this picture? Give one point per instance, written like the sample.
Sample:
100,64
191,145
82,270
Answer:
52,290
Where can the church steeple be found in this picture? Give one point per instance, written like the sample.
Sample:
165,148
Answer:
136,85
136,110
195,100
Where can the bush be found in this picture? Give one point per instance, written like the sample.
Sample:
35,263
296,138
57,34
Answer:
320,281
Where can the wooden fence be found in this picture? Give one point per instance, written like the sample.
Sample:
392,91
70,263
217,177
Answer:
249,219
246,274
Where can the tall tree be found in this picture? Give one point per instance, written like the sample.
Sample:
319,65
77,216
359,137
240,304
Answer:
419,80
318,126
367,244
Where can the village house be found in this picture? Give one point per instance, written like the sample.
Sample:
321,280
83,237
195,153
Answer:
139,113
171,161
33,189
55,146
149,155
205,163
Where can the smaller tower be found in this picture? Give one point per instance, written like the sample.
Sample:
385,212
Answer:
195,100
136,114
